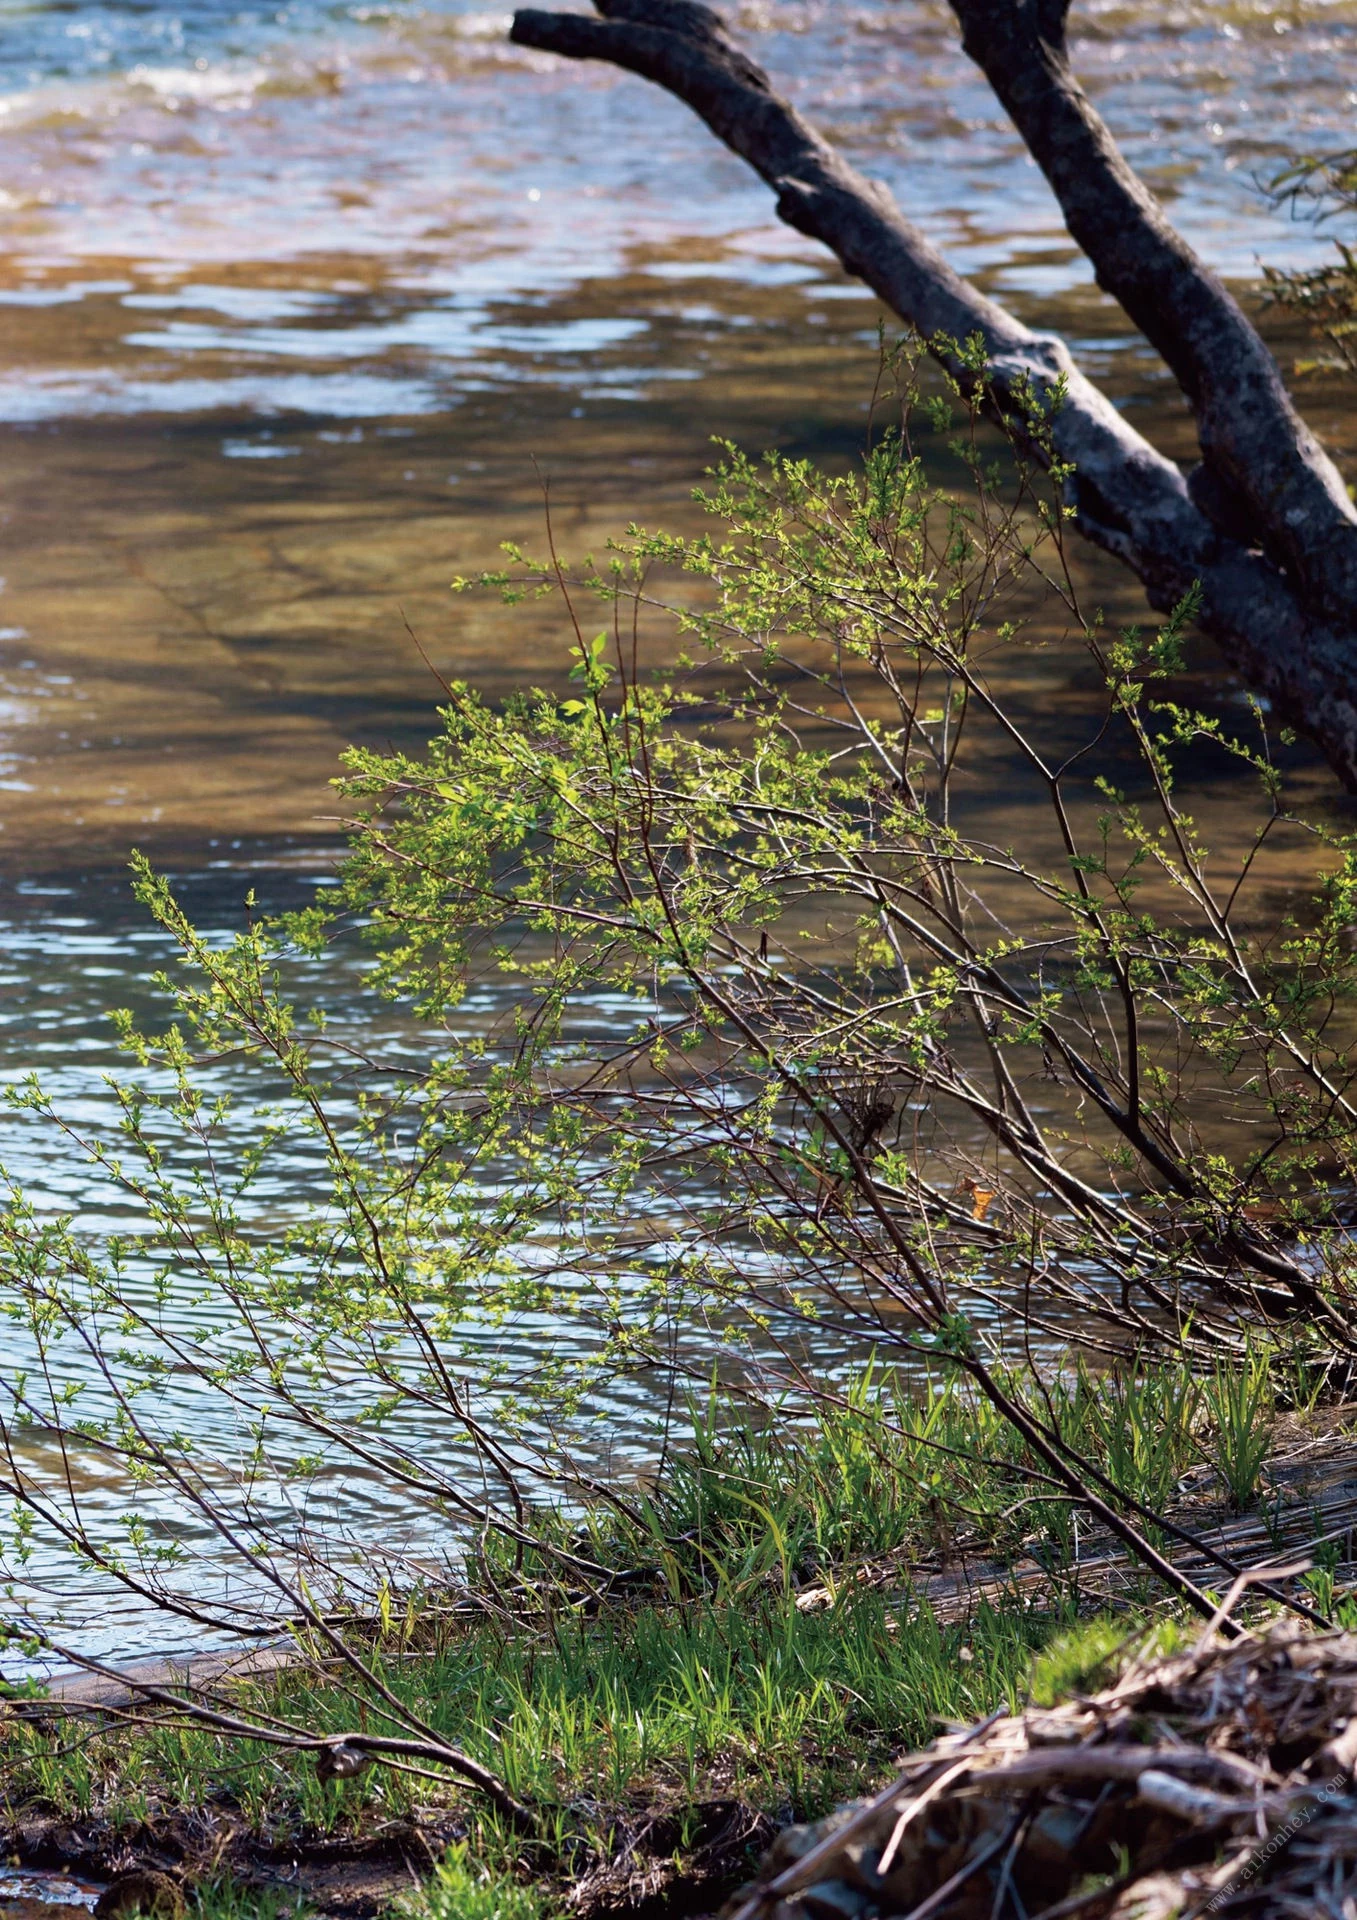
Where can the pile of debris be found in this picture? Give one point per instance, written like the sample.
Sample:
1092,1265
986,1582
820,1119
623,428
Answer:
1217,1782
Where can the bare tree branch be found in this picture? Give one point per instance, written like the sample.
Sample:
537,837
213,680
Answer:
1280,601
1265,473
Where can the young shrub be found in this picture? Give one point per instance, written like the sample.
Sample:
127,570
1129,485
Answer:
811,1053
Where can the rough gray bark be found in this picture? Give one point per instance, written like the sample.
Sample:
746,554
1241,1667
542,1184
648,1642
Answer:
1265,527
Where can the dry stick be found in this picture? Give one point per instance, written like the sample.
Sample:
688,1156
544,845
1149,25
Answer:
802,1871
1006,1891
1250,1577
941,1895
523,1818
914,1809
1041,1765
1034,1769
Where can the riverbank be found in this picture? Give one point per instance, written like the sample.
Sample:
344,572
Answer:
801,1605
253,436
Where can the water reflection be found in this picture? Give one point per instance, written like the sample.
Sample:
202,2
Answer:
293,298
32,1894
66,951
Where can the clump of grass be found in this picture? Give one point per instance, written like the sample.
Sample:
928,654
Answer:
1077,1659
893,1473
222,1898
1091,1654
1141,1426
891,1469
460,1889
1242,1402
754,1628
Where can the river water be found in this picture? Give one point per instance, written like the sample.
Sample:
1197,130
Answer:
291,301
296,305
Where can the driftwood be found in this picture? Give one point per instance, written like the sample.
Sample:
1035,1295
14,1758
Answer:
1216,1782
1264,527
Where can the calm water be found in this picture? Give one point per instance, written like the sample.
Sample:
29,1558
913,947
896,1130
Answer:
291,300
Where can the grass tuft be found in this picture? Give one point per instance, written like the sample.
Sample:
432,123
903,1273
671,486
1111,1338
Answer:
459,1889
757,1633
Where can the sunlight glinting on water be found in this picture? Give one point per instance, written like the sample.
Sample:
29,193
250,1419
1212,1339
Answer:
292,299
462,172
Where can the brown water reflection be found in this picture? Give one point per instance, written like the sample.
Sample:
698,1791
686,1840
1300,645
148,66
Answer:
209,608
201,612
292,304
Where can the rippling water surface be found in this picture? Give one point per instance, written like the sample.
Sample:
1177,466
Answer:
291,301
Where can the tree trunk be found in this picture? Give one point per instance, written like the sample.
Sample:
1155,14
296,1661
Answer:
1264,526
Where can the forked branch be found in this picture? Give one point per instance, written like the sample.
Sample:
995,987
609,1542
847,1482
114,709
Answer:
1264,476
1265,527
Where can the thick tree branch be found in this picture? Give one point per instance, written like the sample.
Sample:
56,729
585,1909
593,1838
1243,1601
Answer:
1127,497
1269,472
